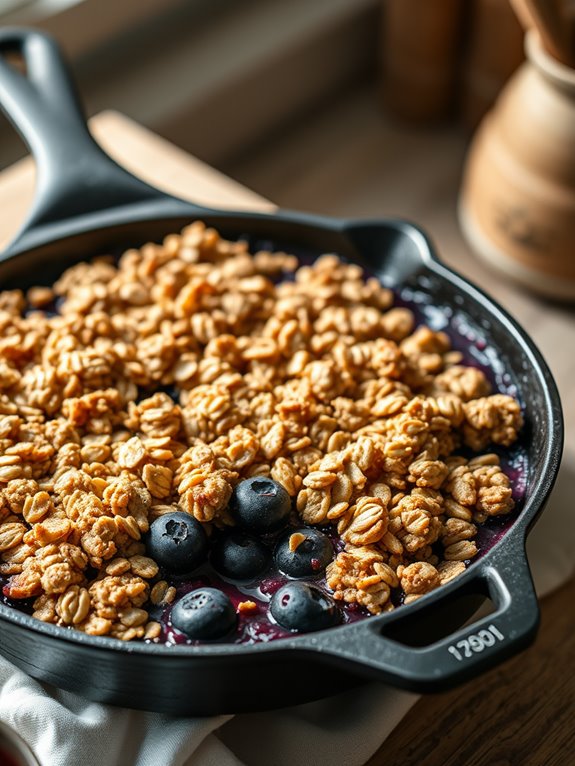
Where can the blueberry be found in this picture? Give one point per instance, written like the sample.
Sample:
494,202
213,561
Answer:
204,614
303,552
177,542
260,505
239,556
303,607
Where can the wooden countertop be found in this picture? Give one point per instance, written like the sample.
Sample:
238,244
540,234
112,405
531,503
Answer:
521,714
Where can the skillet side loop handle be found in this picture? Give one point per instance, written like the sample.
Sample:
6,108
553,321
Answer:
75,176
470,650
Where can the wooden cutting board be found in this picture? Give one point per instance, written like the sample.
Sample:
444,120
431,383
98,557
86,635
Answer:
146,155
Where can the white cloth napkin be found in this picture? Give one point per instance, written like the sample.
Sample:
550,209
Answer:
65,730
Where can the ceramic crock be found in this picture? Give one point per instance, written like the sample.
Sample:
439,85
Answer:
517,203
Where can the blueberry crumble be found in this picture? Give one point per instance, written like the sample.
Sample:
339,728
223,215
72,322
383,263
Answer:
200,444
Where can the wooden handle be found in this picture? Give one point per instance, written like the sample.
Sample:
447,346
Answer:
545,17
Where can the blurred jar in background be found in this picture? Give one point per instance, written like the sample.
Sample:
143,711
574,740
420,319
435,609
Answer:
441,58
492,51
419,51
517,204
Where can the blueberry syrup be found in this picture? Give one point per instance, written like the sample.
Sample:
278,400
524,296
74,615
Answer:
254,626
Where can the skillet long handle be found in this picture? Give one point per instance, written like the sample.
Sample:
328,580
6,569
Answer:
75,176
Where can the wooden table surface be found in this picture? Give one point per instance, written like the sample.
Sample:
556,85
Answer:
521,714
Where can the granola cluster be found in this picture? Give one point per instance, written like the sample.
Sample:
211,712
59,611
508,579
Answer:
164,379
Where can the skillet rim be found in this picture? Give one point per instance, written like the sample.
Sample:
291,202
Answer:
516,534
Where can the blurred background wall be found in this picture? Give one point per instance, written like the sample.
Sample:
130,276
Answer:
214,76
219,76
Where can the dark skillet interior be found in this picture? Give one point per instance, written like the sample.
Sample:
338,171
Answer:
230,678
87,205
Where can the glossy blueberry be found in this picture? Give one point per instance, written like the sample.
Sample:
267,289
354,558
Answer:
302,607
177,542
260,505
240,556
309,556
204,614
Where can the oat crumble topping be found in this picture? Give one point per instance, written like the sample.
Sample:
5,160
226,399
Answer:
319,383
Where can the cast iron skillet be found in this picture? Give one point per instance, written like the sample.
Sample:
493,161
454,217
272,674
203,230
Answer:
85,203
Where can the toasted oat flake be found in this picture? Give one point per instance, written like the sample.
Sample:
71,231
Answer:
153,630
295,541
247,607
